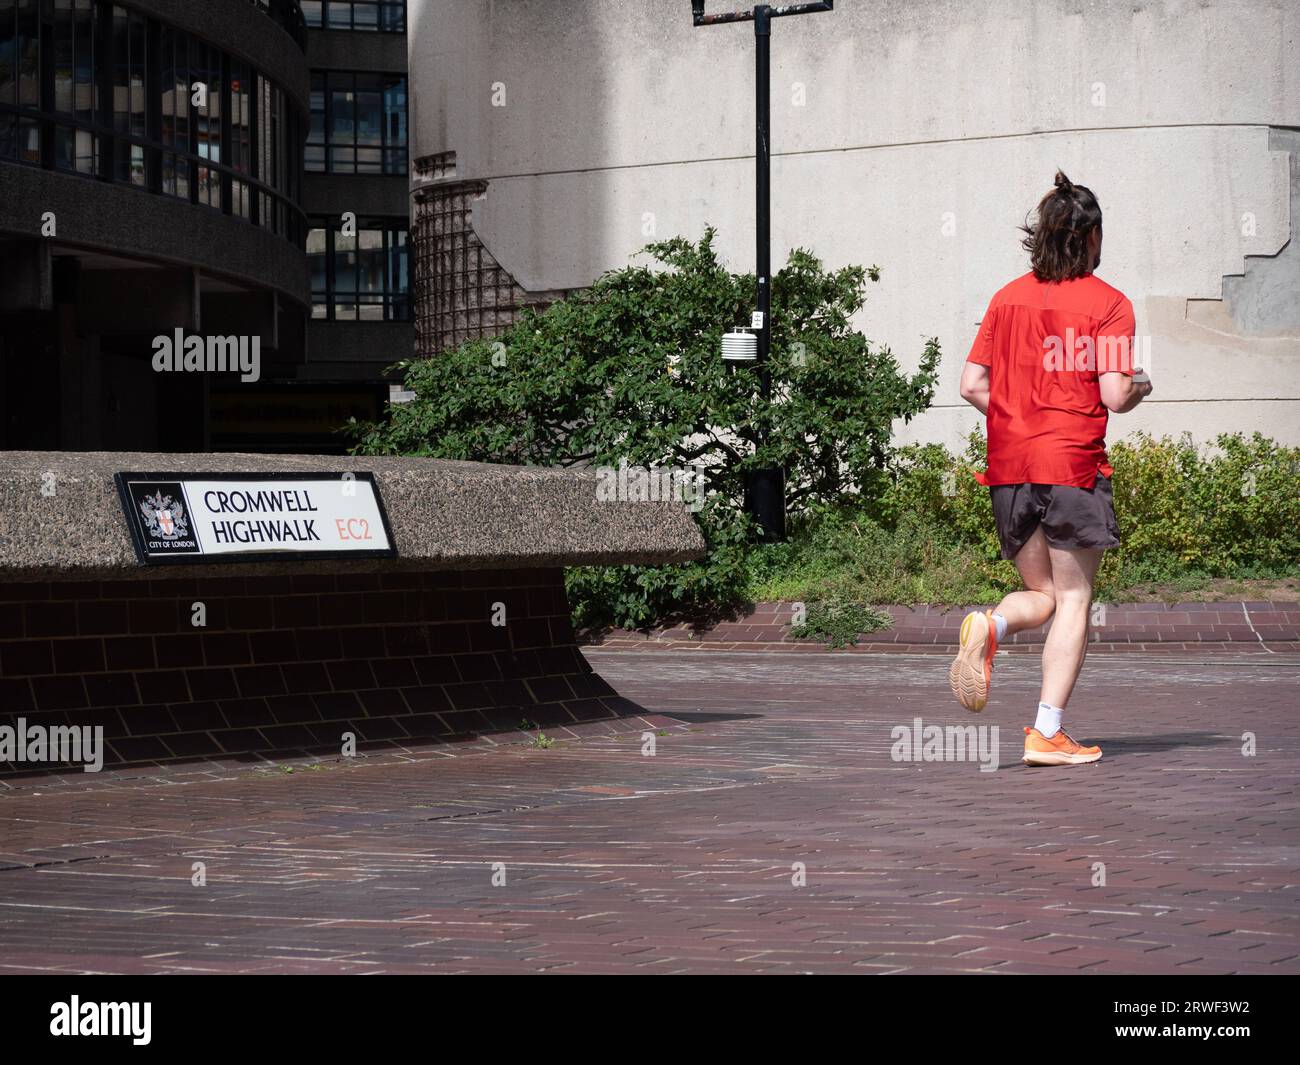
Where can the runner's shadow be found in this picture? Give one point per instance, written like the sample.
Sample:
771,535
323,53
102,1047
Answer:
1168,741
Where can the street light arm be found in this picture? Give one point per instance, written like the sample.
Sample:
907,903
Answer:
773,11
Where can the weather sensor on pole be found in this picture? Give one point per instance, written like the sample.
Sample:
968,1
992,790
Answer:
739,346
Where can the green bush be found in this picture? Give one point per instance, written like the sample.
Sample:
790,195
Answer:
852,555
1228,510
638,597
1186,515
630,371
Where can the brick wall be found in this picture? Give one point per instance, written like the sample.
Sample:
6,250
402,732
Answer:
289,664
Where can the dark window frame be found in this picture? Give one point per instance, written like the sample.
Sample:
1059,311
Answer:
341,15
394,157
396,303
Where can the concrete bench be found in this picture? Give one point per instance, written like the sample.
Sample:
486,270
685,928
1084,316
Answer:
465,632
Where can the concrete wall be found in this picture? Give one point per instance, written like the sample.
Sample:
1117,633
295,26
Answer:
914,134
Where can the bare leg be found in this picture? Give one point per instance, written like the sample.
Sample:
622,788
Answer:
1032,607
1067,641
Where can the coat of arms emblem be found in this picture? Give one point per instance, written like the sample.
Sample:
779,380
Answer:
164,517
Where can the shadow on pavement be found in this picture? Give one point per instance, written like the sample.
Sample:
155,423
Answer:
1168,741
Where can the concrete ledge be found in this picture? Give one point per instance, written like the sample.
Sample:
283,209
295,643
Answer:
444,515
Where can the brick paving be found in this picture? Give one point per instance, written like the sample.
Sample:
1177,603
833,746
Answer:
1267,628
682,862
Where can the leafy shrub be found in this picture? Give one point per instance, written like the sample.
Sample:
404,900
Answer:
629,371
638,597
1228,510
1186,515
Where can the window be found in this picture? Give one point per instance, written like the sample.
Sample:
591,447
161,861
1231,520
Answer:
275,158
358,124
361,276
128,95
28,52
72,35
19,79
175,87
97,88
205,67
241,137
382,16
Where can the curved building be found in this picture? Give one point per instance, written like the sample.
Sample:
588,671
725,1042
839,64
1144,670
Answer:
152,186
913,134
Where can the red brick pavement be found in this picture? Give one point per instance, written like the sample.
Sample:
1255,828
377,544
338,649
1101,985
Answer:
682,862
1265,628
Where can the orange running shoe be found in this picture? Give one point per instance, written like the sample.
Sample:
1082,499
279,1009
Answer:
971,672
1059,750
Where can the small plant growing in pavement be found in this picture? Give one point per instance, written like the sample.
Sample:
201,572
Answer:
840,622
542,742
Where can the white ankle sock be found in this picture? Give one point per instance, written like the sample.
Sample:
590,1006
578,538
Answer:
1048,721
1001,624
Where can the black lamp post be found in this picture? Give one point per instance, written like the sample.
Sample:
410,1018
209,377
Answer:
765,489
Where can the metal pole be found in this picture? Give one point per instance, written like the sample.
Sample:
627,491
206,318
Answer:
766,487
763,185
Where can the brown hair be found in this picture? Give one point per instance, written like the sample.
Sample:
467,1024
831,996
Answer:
1058,242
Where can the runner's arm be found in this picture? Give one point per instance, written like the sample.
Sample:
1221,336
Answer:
1120,393
975,386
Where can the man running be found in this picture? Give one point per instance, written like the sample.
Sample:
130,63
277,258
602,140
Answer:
1052,356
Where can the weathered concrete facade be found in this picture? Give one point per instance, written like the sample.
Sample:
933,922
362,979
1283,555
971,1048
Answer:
915,135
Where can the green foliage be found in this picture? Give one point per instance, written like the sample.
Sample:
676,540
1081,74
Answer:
851,554
630,371
638,597
839,621
1229,510
1186,514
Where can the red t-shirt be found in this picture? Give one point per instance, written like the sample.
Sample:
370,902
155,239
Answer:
1045,344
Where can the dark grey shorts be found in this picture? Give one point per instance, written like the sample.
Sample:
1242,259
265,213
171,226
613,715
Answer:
1071,517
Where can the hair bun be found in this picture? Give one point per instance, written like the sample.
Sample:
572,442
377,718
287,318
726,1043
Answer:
1062,182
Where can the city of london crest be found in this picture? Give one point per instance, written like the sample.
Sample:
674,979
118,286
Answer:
164,517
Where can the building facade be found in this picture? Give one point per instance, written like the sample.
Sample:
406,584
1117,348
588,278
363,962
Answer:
913,134
165,175
355,189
